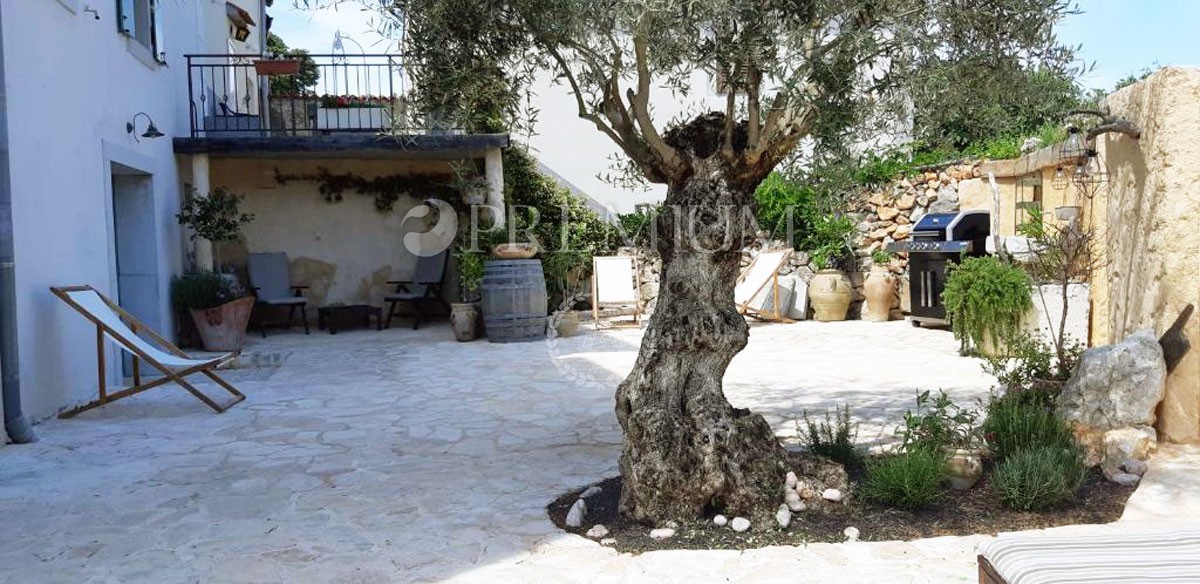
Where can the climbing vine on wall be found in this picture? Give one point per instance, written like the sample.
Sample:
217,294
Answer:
385,190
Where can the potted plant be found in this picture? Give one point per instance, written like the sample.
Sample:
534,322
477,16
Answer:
986,299
830,291
470,183
464,315
219,312
564,272
879,288
354,112
278,64
218,309
941,425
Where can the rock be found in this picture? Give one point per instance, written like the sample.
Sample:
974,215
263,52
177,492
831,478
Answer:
590,492
923,200
876,199
672,524
1134,466
878,234
851,533
1126,479
662,533
887,213
796,505
801,258
906,202
831,495
740,524
720,520
943,206
783,516
931,194
597,531
902,232
1129,443
790,480
576,513
1116,386
608,541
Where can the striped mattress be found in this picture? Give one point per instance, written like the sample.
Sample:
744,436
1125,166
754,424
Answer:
1159,556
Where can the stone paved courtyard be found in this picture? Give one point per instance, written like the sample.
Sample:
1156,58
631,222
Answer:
405,456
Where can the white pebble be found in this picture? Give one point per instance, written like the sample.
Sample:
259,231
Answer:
661,533
597,531
672,524
791,480
576,513
831,495
590,491
796,505
851,533
608,541
1124,478
720,520
740,524
783,516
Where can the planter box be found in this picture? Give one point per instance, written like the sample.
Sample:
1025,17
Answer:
277,67
354,118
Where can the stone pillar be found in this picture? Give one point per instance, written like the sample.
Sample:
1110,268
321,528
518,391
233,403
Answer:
493,168
203,247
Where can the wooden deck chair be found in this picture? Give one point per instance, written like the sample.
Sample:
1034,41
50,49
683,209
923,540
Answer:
125,330
615,282
757,291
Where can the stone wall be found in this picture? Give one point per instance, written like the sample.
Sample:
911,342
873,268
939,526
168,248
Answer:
1153,209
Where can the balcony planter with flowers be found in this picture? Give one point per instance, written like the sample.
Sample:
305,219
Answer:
354,112
271,67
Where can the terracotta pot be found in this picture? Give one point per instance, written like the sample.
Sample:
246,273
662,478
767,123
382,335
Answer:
880,290
568,323
829,293
223,328
464,320
963,468
514,251
277,66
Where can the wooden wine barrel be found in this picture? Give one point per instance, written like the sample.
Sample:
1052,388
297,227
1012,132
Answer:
514,301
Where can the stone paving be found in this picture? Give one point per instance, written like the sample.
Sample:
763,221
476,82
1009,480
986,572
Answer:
402,455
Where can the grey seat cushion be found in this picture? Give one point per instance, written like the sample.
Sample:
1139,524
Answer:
1138,555
401,296
285,301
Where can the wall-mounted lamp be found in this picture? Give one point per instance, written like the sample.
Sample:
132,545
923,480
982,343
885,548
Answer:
95,13
151,130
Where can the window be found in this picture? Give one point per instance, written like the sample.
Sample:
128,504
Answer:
139,20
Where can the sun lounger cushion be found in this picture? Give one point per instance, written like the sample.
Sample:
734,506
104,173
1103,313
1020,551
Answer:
90,301
1167,556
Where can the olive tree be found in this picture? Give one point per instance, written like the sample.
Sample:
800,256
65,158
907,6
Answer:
792,69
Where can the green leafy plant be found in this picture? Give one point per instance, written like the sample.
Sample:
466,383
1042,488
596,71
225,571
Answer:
1040,478
938,423
1023,421
470,273
910,480
881,257
215,217
829,240
985,296
780,200
303,81
201,290
834,437
1031,366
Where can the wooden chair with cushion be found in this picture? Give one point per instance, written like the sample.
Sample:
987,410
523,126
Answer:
420,291
271,279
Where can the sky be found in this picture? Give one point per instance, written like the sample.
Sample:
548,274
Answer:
1121,37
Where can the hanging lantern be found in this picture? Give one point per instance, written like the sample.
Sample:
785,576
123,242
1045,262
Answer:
1073,149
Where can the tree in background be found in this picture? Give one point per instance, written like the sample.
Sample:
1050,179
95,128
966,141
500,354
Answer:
301,82
794,69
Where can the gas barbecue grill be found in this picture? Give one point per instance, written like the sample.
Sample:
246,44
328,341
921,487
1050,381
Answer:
938,240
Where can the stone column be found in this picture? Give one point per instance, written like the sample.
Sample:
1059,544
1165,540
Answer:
203,247
494,172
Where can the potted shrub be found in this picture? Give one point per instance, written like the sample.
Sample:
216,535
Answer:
830,290
564,273
986,300
464,315
215,217
879,288
354,112
277,65
218,309
939,425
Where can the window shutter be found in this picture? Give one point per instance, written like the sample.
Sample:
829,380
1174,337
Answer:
125,17
156,37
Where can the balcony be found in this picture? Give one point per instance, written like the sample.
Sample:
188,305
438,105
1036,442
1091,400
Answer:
244,104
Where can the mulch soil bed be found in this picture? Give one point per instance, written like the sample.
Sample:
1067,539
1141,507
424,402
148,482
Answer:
977,510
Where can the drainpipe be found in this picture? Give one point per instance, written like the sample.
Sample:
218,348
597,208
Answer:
15,422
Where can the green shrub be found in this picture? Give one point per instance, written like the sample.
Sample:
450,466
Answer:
202,290
1040,478
832,438
984,295
938,423
912,480
1031,365
777,198
1022,421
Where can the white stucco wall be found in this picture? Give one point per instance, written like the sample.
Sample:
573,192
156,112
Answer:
73,83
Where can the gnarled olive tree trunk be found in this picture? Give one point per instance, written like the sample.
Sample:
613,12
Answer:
686,449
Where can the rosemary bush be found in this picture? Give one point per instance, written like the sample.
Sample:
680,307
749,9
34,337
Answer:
1040,478
1022,421
912,480
985,296
832,437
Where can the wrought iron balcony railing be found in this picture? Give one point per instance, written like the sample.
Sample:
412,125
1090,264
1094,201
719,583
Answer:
250,96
